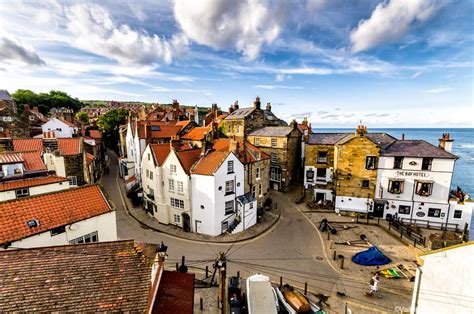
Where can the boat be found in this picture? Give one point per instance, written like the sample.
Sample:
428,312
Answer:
261,296
295,302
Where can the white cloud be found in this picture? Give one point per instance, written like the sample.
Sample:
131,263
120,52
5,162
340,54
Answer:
416,74
245,25
271,87
12,49
390,21
439,90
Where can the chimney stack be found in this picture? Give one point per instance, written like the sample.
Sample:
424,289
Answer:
446,143
361,130
236,105
269,107
402,137
175,105
256,103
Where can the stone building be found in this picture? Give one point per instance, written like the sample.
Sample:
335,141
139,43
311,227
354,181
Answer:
283,145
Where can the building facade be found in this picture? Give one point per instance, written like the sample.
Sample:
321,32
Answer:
61,128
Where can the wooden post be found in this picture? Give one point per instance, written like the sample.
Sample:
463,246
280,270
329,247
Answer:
238,274
201,305
281,281
177,266
389,224
342,261
221,264
334,256
207,271
329,235
414,243
306,288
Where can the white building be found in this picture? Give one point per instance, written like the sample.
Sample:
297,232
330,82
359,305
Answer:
10,190
78,215
217,182
61,128
413,183
444,281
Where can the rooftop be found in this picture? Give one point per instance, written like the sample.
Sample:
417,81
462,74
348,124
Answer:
175,293
188,158
51,210
275,131
69,146
160,152
196,134
209,164
30,182
28,144
31,159
5,95
416,148
239,113
326,138
107,276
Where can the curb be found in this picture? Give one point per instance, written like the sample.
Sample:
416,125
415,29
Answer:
127,210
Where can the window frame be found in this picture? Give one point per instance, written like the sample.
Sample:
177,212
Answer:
176,203
72,180
274,142
273,158
432,212
320,159
229,183
230,166
173,169
226,209
256,141
180,185
402,211
418,189
390,188
177,218
427,163
365,186
23,193
171,185
57,230
456,211
398,164
321,177
258,173
371,165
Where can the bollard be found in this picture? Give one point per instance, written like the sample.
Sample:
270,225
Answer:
414,243
207,271
378,221
341,257
238,274
305,288
281,281
177,266
389,225
329,235
201,305
334,256
276,205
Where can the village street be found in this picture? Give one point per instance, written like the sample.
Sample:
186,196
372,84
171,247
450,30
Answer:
292,248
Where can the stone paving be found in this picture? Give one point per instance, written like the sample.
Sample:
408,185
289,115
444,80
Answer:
137,212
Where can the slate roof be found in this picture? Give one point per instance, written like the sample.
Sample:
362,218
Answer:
240,113
326,138
209,164
381,139
274,131
106,276
28,144
196,134
5,95
246,198
416,148
160,152
51,210
188,158
175,293
69,146
30,182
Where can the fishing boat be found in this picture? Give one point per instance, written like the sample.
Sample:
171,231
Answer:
261,297
295,302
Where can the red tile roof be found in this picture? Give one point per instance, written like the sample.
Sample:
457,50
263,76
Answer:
188,158
90,158
51,210
28,144
31,160
196,134
27,183
162,129
10,158
68,123
95,134
251,152
175,293
82,278
160,152
209,164
221,144
69,146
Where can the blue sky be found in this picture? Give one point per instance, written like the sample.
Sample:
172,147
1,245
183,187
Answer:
393,63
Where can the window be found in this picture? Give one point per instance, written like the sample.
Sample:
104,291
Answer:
254,189
180,187
260,190
251,205
59,129
424,188
173,168
322,157
151,175
72,180
88,238
275,174
229,187
229,207
258,173
177,219
147,173
22,193
58,230
398,162
426,165
230,166
370,162
310,175
274,157
151,192
177,203
148,156
458,214
365,183
171,185
256,141
434,212
321,174
403,209
395,186
274,142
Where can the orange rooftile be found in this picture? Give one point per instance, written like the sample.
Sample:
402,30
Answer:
27,183
51,210
188,158
160,152
196,134
209,164
28,144
221,144
69,146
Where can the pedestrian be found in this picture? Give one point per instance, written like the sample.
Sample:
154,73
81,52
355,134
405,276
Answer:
374,286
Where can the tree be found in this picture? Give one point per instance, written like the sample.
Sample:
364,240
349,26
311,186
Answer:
83,117
45,101
110,121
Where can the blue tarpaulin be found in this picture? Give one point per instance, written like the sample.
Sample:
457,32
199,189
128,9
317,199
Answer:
371,257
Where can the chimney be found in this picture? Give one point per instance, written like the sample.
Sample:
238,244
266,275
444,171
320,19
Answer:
361,130
402,137
305,121
268,107
446,143
236,105
293,124
175,105
26,108
256,103
231,109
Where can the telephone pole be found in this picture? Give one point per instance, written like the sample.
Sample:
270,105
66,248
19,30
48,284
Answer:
221,265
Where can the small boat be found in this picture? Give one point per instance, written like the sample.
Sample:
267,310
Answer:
261,297
295,302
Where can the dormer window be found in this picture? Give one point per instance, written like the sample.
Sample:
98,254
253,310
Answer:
426,165
22,193
398,162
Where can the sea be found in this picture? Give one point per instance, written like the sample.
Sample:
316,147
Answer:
463,147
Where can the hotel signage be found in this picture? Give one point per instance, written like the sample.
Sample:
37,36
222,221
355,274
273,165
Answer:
417,174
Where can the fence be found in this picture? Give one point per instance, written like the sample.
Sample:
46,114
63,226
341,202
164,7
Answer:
407,231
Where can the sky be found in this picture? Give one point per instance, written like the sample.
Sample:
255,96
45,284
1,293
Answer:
392,63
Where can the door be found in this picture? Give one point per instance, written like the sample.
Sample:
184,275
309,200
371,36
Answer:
225,226
186,222
379,209
198,226
320,198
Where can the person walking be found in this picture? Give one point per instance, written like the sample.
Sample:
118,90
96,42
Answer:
374,286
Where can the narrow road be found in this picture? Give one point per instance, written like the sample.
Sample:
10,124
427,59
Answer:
291,249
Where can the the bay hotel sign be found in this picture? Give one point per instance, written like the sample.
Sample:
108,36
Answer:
416,174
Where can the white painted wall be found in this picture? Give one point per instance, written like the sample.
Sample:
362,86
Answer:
444,282
55,163
55,124
156,183
327,178
36,190
105,224
354,204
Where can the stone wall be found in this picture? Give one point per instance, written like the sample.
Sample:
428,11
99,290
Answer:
251,179
75,167
350,168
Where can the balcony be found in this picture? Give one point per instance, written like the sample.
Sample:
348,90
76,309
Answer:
150,196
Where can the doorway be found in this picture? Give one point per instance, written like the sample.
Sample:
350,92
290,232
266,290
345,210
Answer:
186,222
198,226
379,209
320,198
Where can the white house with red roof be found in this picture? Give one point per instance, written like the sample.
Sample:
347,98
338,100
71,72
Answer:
219,203
61,128
25,187
79,215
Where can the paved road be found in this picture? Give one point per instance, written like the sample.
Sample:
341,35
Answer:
292,248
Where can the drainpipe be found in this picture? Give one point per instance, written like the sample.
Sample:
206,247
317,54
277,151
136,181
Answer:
413,201
416,290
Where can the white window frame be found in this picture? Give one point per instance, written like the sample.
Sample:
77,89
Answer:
72,180
230,166
24,192
229,187
173,169
177,219
180,187
273,158
228,206
176,203
274,142
171,185
256,141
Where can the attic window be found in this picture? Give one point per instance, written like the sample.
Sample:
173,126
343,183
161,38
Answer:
33,223
155,128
